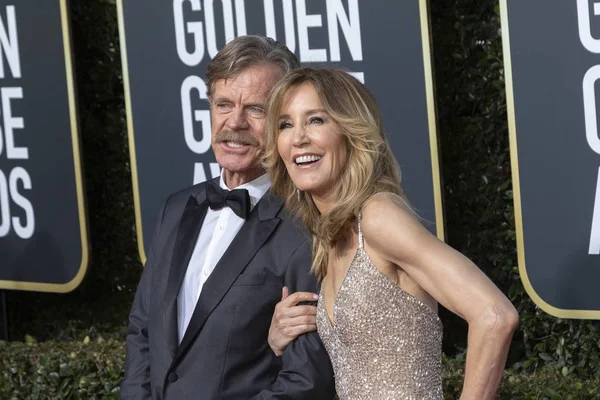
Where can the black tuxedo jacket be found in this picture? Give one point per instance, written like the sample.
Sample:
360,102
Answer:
224,353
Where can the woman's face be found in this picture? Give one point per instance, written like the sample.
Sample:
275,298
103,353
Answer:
310,143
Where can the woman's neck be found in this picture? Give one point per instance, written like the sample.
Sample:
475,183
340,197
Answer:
324,202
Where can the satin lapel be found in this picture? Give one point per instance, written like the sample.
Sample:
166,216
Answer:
255,231
187,235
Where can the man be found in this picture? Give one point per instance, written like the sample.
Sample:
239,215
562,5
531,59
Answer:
219,259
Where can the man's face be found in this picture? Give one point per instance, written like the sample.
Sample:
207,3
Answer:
238,121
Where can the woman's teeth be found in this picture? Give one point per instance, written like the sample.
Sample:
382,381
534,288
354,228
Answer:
307,159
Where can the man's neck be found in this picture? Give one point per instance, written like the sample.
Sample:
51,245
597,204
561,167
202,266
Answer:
235,179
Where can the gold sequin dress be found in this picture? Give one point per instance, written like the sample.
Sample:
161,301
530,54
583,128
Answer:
383,342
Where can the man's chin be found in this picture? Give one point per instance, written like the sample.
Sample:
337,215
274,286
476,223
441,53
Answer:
238,176
239,167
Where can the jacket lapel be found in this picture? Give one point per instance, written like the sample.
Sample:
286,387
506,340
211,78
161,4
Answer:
255,231
185,241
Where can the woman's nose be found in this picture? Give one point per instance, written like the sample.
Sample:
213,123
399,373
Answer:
300,137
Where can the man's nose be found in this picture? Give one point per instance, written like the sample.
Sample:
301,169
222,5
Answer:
236,120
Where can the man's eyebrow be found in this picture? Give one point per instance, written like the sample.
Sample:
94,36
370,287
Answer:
221,99
255,104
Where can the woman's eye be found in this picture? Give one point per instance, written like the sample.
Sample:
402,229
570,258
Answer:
316,120
284,125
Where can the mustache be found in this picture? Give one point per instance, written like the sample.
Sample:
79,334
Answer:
238,137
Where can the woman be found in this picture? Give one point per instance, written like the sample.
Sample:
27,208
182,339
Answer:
382,273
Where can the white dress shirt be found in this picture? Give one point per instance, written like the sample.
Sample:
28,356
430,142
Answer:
217,232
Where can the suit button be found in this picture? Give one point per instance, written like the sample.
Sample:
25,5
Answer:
172,377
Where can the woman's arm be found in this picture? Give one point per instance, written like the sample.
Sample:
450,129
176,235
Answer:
394,233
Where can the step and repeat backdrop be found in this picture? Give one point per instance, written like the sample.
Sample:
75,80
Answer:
167,45
43,233
552,70
552,64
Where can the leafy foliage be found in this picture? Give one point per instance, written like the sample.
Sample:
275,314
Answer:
93,369
58,370
545,384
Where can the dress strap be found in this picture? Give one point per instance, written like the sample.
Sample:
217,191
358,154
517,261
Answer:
360,235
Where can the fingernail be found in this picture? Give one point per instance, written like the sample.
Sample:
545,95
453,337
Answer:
315,296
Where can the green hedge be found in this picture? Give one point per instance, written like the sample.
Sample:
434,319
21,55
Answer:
61,370
545,384
92,369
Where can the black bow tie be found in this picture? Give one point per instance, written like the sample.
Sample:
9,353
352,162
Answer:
237,199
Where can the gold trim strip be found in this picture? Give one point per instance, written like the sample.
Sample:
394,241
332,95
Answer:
512,130
81,206
432,118
130,134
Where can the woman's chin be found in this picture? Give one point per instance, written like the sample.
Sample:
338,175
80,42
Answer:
303,188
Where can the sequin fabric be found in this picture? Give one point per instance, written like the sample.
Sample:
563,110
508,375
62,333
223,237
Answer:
383,342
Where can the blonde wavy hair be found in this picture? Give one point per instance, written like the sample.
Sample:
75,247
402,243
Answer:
371,166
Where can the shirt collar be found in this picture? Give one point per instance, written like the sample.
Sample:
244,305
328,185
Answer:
256,188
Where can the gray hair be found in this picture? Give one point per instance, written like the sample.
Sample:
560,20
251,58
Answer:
248,51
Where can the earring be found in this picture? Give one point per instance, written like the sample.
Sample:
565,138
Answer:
298,194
